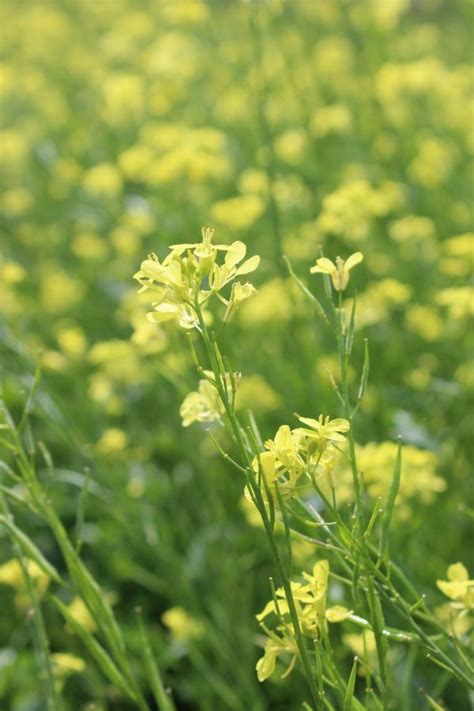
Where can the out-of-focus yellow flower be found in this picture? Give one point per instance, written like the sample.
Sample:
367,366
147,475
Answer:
182,626
412,227
118,360
424,321
459,301
419,482
11,574
375,304
13,149
11,272
113,441
89,246
103,180
255,181
135,487
65,663
387,14
81,614
350,210
364,645
72,341
124,97
59,291
339,272
465,375
272,303
335,118
186,12
333,58
458,253
16,201
238,213
53,360
291,146
256,394
433,164
203,404
126,241
135,162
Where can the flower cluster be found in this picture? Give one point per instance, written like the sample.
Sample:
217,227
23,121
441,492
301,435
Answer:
293,457
313,616
205,403
190,274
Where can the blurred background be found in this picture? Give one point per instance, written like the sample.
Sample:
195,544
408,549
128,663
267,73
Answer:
126,126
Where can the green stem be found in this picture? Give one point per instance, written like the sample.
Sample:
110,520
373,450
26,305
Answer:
246,459
343,363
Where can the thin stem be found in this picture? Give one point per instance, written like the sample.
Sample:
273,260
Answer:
257,494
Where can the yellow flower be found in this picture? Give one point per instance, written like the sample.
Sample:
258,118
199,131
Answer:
339,272
182,625
313,615
203,404
324,430
103,180
273,647
112,442
285,449
81,614
67,663
11,574
458,587
190,275
255,393
240,292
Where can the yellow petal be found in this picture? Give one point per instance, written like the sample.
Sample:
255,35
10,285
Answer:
235,254
314,424
266,664
337,613
454,590
248,266
321,572
323,266
338,425
457,571
353,261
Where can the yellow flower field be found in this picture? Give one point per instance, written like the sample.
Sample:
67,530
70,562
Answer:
236,365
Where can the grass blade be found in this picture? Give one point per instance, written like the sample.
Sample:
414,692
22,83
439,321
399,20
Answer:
163,700
29,549
96,651
390,504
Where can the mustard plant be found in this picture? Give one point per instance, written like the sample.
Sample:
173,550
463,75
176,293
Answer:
287,480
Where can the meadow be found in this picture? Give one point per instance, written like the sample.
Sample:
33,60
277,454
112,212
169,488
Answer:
236,366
